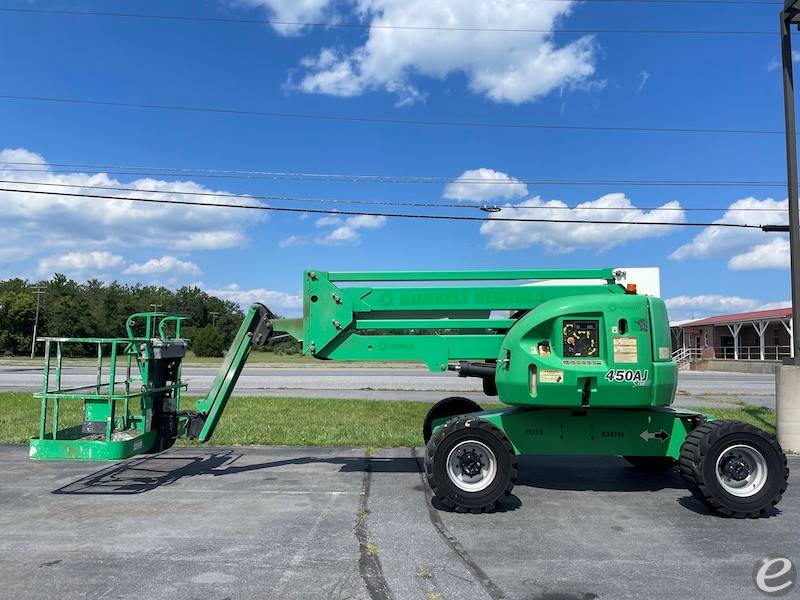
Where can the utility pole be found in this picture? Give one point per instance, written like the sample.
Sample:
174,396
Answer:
214,316
787,404
37,290
152,320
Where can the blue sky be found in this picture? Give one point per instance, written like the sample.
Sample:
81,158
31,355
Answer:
607,79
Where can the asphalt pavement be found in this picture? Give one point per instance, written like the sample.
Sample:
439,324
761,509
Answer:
398,383
297,523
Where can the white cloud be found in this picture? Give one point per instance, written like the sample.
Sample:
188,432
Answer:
560,238
644,76
701,306
293,11
712,303
347,233
81,263
483,184
278,302
774,305
343,232
503,66
294,240
772,255
167,266
775,62
325,221
43,224
744,247
210,240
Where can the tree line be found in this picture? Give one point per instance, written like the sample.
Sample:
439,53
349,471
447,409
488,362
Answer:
98,309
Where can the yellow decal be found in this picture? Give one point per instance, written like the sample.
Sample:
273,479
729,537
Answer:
551,376
626,350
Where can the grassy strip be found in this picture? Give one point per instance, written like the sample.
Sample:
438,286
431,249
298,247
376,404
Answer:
272,421
304,421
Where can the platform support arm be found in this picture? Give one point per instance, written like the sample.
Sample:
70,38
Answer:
256,330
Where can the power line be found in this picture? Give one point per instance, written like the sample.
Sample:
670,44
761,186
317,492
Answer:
383,214
381,120
352,25
484,207
689,2
151,171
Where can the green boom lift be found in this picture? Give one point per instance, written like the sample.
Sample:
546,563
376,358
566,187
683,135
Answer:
581,360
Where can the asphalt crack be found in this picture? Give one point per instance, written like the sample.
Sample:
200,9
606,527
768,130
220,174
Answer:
480,576
369,565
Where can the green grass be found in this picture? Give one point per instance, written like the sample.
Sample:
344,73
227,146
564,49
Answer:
278,421
255,358
305,422
760,416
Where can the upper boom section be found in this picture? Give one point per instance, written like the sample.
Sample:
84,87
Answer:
438,317
493,275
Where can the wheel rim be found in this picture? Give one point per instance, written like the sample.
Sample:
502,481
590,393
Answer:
471,466
741,470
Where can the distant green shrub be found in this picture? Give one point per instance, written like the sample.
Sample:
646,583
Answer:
208,341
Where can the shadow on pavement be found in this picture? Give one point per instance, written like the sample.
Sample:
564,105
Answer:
592,473
146,473
693,504
510,503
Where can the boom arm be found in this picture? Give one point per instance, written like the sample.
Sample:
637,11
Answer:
434,324
432,317
256,330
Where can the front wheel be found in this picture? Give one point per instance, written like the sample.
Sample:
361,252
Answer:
449,407
734,468
470,464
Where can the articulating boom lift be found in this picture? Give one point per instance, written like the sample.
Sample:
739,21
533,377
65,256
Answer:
583,361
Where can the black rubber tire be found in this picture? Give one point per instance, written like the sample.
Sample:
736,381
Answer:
698,459
449,407
651,464
454,431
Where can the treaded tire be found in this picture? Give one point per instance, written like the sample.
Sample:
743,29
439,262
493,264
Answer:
449,407
447,437
698,467
651,464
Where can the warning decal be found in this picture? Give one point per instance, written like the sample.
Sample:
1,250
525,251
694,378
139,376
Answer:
626,350
551,376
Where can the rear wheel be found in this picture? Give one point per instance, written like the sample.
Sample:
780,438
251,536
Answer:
470,464
651,464
734,468
449,407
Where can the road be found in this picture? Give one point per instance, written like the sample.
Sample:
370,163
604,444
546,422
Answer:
308,523
403,383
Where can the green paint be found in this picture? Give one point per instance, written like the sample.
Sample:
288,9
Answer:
116,430
608,431
585,365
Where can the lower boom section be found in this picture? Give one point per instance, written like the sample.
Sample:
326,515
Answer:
625,432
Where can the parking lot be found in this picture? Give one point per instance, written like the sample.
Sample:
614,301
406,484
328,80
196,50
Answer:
278,522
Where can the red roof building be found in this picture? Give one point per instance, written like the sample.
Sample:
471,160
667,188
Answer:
757,335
